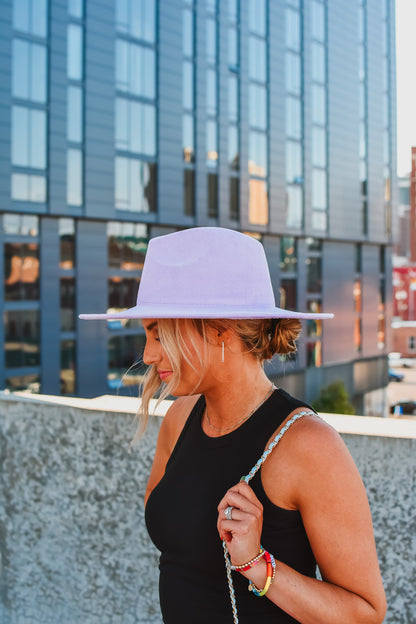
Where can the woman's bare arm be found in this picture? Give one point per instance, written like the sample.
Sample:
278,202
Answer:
327,489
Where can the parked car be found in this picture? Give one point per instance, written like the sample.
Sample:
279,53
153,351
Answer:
407,408
393,376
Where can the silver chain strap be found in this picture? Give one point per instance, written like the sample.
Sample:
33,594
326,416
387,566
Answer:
246,479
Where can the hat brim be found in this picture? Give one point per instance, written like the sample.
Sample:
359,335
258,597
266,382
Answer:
206,312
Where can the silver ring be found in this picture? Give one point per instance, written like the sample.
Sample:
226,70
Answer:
228,513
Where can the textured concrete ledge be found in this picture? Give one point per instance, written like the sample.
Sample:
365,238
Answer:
73,544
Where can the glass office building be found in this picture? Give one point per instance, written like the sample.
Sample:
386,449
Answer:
127,119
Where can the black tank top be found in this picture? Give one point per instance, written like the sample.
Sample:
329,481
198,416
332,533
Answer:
181,518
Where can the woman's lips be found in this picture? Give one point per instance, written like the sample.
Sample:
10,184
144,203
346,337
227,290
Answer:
164,374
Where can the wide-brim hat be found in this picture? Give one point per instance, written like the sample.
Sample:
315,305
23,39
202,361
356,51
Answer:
206,272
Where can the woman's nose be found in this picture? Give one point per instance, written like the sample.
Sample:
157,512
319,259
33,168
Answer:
151,354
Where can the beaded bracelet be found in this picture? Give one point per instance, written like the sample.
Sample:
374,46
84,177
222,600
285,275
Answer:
246,566
271,571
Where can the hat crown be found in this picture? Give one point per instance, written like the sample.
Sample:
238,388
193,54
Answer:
206,267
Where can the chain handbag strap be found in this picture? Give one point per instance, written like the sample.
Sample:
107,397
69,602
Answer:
248,478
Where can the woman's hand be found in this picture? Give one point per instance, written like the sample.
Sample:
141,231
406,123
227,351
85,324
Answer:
242,534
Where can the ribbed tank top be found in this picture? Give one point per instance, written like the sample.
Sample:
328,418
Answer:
181,518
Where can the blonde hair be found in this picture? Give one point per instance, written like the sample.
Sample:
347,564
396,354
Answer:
263,338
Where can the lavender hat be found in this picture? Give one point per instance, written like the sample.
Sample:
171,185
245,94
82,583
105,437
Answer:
205,272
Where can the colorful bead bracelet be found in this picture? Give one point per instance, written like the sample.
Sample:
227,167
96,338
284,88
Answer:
271,571
246,566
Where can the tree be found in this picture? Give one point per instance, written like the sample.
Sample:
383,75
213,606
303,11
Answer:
334,399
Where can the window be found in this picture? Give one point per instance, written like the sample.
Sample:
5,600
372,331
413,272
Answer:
20,225
66,244
189,192
21,271
294,165
294,206
234,204
188,138
74,129
257,59
257,17
28,137
21,329
127,245
125,361
67,303
257,154
75,52
288,294
74,177
135,69
137,18
25,187
212,181
31,16
233,148
288,254
212,142
29,71
68,366
135,185
188,85
135,127
258,106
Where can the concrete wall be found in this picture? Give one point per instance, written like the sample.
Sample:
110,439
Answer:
73,544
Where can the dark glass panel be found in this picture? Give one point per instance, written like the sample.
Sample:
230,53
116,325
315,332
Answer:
234,198
67,300
288,254
68,367
189,192
288,294
21,329
21,279
125,361
314,275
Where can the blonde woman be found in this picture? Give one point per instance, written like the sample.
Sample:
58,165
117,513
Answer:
233,550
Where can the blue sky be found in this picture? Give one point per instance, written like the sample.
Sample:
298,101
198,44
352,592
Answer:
406,82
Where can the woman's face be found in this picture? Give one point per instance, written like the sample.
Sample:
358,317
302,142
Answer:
155,355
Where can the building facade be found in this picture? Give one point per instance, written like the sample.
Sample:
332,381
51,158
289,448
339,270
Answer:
127,119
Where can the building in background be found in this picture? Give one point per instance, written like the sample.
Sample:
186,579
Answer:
131,119
404,268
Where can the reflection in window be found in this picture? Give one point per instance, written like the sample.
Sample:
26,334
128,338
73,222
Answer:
319,189
318,62
211,95
122,293
233,148
314,326
234,204
188,33
188,95
233,107
258,203
288,254
258,106
67,299
257,59
318,104
318,147
74,131
294,165
29,71
212,191
125,361
21,271
20,224
212,142
318,20
26,187
288,294
66,244
137,18
189,192
257,154
211,40
293,118
135,69
74,52
293,73
314,275
292,29
74,178
31,16
294,206
257,17
135,127
28,137
68,366
188,138
135,185
127,245
23,383
314,354
21,337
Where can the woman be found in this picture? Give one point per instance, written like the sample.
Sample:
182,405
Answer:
210,319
